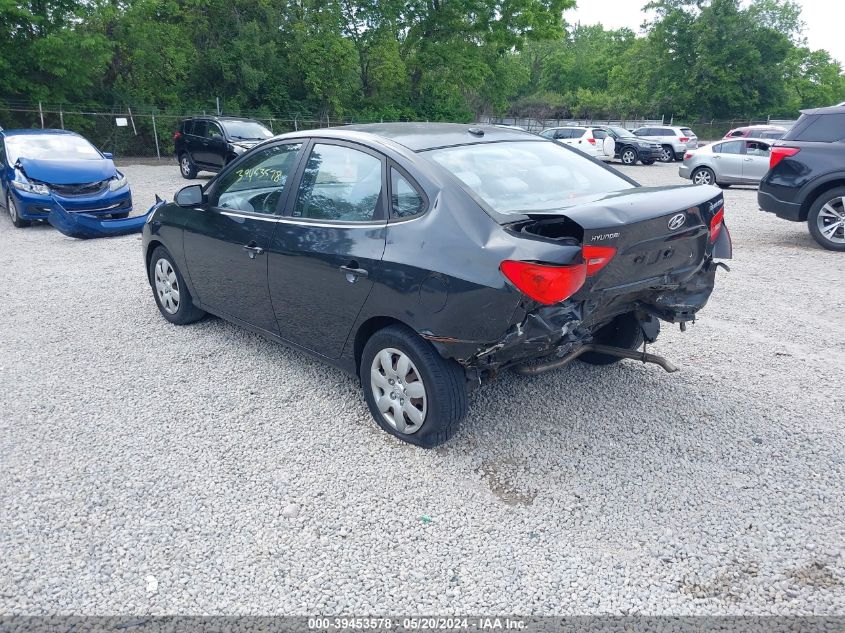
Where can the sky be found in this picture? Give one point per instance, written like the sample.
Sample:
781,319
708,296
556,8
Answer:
820,30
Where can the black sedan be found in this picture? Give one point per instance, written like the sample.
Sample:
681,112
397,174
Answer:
426,258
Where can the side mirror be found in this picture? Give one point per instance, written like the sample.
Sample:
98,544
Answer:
190,196
108,155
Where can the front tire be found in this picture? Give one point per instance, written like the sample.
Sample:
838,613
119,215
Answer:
667,154
14,214
412,391
629,156
170,291
187,167
826,219
703,176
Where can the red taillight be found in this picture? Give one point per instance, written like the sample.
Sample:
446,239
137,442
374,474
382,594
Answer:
683,139
779,153
688,155
591,141
716,224
177,135
597,257
544,283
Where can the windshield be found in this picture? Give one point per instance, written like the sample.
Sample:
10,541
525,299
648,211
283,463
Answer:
246,130
621,132
55,146
521,177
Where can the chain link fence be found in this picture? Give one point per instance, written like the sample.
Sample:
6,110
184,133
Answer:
130,133
143,133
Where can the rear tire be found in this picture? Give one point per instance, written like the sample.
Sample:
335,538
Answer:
170,291
412,391
623,331
187,167
14,215
703,176
629,156
826,219
650,161
667,154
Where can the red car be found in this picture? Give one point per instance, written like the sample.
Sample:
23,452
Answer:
758,131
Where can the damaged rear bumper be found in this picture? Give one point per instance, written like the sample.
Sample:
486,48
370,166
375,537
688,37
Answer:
563,330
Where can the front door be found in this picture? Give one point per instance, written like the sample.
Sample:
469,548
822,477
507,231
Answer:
756,162
226,241
328,246
727,158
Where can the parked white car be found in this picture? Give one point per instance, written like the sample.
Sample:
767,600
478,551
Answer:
675,140
593,141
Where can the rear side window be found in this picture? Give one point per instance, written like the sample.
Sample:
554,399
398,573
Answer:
731,147
563,134
820,128
405,198
188,126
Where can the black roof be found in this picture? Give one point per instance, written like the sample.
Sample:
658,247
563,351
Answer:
837,109
422,136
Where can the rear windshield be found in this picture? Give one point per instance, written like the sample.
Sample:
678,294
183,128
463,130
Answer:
520,177
687,132
823,128
246,130
55,146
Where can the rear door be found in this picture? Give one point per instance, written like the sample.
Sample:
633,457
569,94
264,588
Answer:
212,148
226,241
755,164
727,161
328,245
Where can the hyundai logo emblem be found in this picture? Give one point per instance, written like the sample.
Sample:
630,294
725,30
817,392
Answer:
677,221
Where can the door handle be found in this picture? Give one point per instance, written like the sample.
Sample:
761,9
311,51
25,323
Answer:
253,249
353,272
747,160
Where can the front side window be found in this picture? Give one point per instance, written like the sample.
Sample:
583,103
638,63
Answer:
200,128
339,184
405,200
524,176
754,148
256,183
214,131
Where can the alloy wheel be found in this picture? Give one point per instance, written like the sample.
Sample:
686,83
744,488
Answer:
167,286
11,208
398,390
628,157
666,155
186,165
831,220
702,177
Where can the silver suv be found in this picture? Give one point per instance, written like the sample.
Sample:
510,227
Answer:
675,140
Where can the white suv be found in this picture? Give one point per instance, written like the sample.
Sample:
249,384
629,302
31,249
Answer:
588,139
675,140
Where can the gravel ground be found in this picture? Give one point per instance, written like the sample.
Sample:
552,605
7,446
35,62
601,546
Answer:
148,468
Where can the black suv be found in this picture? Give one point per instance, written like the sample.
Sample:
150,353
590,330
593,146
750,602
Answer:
208,143
806,177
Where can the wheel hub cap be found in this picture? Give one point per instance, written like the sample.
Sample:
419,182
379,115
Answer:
831,220
398,390
167,286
